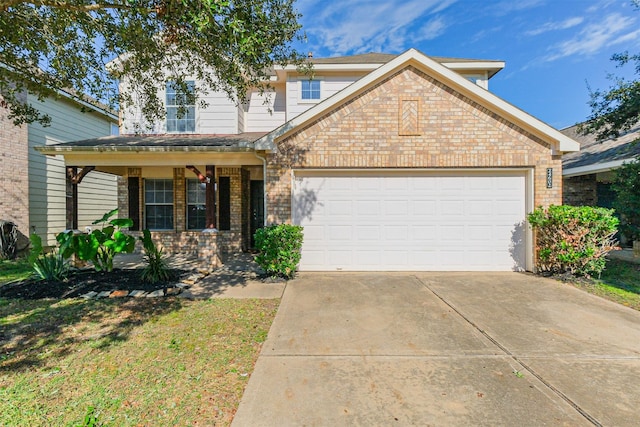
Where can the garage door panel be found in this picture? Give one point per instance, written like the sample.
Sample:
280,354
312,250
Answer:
452,207
366,208
396,233
419,222
339,232
368,232
479,207
395,208
424,234
424,207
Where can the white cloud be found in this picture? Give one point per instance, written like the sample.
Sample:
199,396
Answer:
356,26
614,29
554,26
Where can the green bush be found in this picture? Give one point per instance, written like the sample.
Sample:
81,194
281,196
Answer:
279,247
101,245
626,185
156,269
51,266
572,239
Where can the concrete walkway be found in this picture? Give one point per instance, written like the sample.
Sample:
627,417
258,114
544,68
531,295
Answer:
444,349
237,278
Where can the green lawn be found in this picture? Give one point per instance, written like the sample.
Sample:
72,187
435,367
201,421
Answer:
129,362
14,270
620,282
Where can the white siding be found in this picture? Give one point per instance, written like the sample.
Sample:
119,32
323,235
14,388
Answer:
265,116
329,85
221,115
47,202
97,195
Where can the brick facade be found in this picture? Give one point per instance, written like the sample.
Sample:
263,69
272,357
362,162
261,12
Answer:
368,131
231,240
207,245
14,175
580,190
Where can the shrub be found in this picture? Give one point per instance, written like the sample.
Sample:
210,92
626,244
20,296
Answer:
156,269
51,266
626,185
279,247
573,239
101,245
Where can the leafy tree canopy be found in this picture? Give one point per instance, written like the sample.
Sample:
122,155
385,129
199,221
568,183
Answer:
616,110
227,45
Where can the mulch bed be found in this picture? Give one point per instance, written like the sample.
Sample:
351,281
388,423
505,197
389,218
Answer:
83,281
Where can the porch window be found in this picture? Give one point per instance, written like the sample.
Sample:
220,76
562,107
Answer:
310,89
196,205
158,199
181,109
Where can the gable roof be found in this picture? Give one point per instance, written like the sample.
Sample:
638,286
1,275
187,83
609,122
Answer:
372,60
560,142
595,156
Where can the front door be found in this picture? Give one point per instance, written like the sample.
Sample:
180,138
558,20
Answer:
257,208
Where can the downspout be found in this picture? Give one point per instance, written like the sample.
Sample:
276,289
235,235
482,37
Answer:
264,190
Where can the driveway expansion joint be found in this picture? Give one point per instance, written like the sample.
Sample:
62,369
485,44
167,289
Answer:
515,358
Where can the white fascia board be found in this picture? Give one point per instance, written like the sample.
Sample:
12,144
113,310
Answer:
339,67
595,168
561,143
491,67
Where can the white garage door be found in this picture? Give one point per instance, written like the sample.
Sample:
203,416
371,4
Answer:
422,222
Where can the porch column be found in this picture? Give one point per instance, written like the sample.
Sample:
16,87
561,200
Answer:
210,197
71,199
179,200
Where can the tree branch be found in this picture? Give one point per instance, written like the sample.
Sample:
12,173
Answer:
58,4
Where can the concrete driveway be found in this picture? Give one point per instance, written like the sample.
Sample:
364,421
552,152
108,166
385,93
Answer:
445,349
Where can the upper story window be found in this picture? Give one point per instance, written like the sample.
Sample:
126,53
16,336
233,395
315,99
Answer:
310,89
180,119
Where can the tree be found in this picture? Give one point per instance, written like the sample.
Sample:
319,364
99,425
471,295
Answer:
617,109
226,45
627,201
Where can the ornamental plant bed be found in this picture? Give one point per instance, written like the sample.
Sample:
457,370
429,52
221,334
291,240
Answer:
82,281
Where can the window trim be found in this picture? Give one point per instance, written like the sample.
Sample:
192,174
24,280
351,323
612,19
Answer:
310,100
167,106
172,204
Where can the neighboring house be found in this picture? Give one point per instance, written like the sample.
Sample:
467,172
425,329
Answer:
587,174
34,190
389,162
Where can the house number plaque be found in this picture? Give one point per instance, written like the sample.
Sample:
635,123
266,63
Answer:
549,177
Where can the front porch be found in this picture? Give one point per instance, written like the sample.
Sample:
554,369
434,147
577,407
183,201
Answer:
201,196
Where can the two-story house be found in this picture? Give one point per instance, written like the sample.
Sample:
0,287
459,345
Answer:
35,190
390,162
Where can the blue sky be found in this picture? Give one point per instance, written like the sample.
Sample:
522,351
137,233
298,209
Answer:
552,48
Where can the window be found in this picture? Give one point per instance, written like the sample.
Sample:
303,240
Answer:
196,205
158,199
180,119
310,89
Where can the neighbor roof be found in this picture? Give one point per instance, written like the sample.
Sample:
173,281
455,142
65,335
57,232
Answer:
167,142
597,156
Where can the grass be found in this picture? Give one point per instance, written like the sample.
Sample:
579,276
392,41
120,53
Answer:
127,362
14,270
619,282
